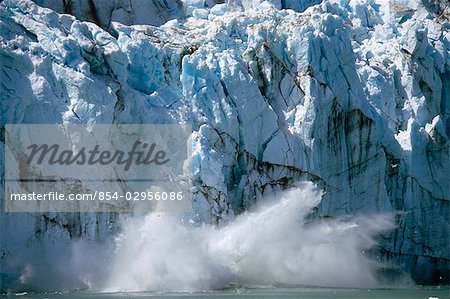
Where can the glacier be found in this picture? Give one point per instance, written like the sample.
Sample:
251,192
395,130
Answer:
351,95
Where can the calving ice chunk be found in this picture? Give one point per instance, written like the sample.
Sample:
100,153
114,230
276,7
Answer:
352,95
140,153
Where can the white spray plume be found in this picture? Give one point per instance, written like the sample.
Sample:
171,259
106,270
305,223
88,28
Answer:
275,245
272,246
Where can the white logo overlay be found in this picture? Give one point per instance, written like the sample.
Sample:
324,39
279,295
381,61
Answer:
97,168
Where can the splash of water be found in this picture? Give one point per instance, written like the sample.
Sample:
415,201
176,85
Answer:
275,245
272,246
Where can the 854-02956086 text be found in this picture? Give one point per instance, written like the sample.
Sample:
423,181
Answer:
99,195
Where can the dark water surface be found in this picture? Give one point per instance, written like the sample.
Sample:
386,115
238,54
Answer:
308,293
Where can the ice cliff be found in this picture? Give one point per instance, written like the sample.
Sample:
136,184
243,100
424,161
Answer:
352,95
150,12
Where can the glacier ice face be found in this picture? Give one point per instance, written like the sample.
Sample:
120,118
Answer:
154,12
353,95
103,12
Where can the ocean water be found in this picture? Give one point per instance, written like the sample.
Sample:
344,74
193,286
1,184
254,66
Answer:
307,293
